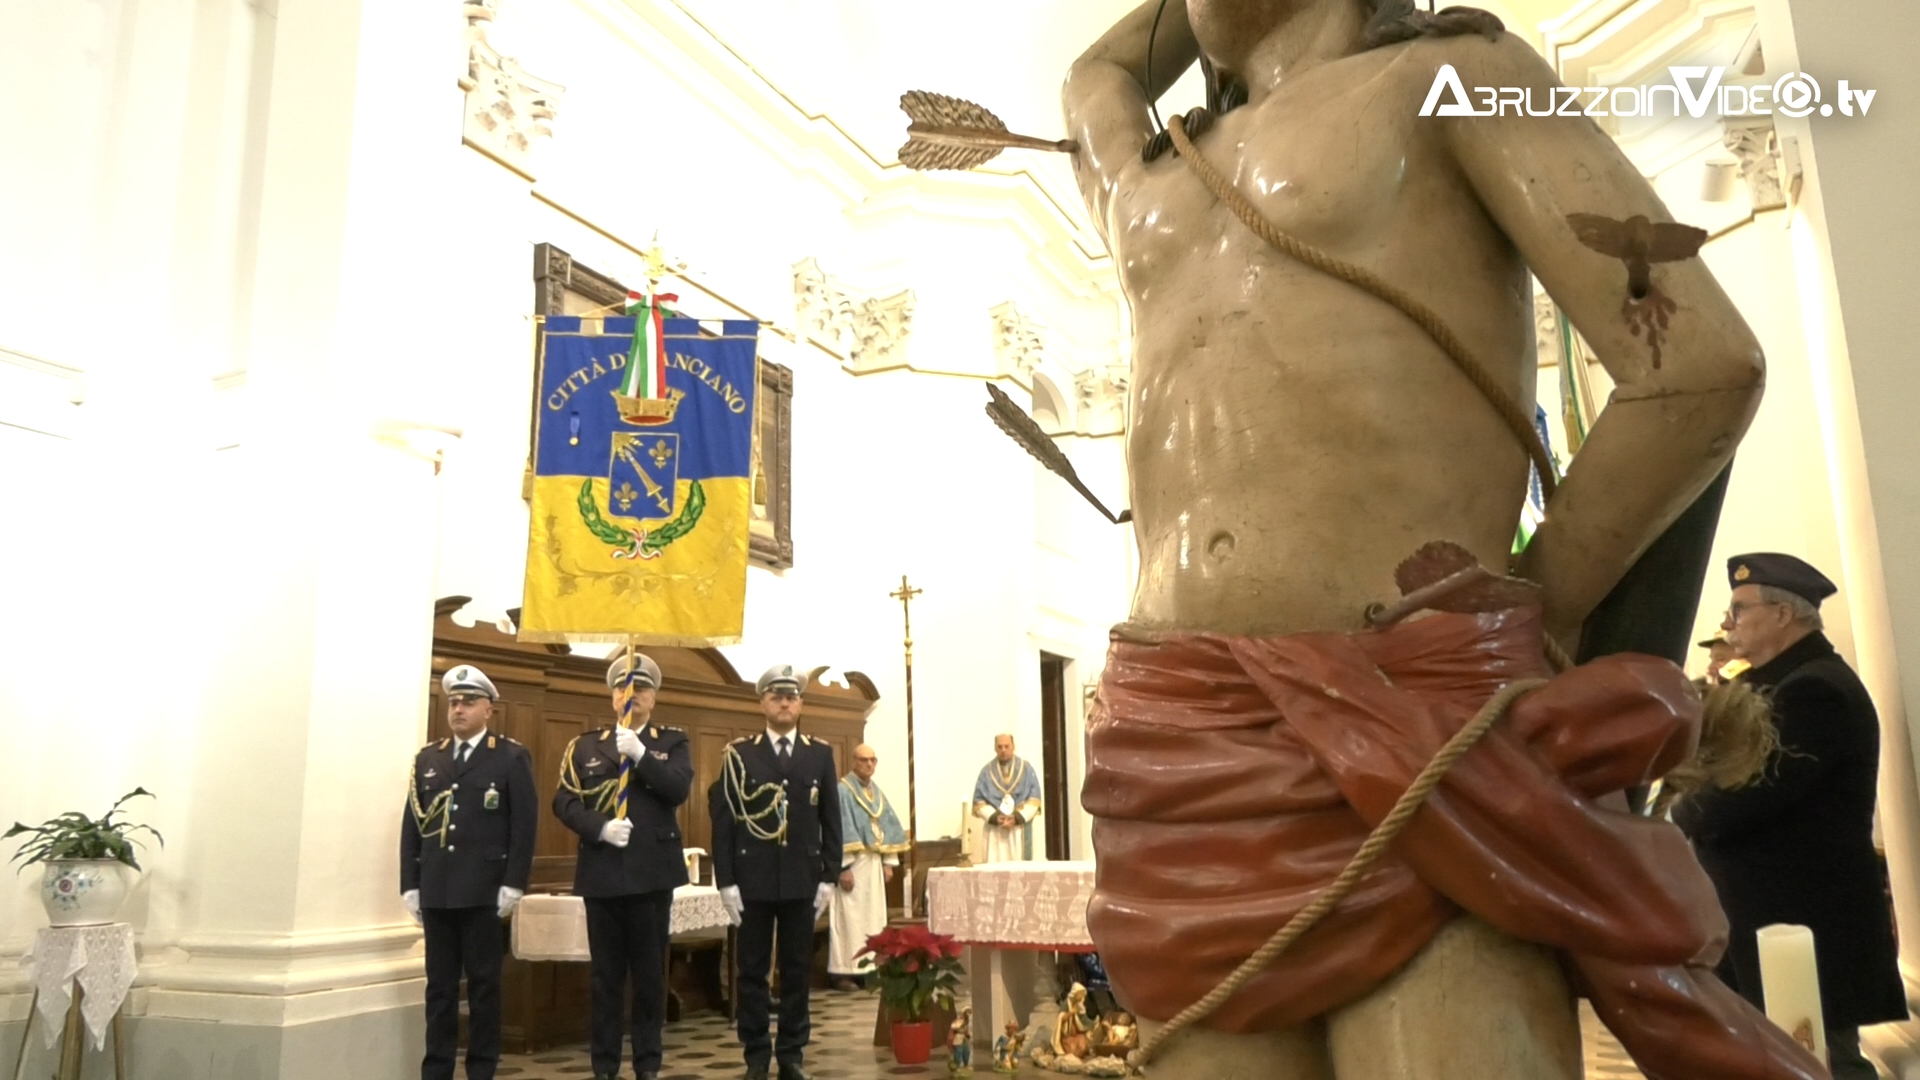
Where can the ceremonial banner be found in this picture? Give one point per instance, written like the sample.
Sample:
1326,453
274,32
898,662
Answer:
642,483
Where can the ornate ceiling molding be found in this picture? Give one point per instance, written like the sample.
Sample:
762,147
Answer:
1048,218
507,108
867,333
1019,344
1753,142
1101,405
40,395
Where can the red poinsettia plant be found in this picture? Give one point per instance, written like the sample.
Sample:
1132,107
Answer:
916,968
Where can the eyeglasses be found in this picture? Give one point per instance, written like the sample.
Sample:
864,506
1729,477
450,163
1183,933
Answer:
1734,609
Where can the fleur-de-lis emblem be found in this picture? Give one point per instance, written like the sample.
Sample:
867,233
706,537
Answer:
660,453
625,495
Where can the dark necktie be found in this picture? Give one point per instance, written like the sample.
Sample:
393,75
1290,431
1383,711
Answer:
461,757
785,757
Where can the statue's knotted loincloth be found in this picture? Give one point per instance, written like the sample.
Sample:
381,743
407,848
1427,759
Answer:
1232,778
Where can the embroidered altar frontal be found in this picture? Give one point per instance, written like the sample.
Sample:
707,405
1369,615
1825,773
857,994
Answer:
641,499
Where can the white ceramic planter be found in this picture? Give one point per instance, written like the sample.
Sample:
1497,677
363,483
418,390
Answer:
83,892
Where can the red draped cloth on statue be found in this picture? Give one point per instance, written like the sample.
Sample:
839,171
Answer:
1231,779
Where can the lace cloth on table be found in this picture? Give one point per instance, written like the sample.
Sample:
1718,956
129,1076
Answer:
100,958
555,927
1035,903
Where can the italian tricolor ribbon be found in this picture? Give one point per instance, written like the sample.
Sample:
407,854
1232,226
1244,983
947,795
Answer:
646,375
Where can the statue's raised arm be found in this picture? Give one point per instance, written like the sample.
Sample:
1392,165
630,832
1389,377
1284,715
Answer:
1108,91
1687,370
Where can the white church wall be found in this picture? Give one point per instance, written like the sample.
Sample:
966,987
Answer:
893,473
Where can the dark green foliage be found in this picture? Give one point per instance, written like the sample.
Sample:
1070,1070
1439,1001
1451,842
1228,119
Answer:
73,835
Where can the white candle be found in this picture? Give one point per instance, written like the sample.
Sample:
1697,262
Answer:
1790,982
966,828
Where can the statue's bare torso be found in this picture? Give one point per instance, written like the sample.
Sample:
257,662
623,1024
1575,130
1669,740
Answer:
1293,437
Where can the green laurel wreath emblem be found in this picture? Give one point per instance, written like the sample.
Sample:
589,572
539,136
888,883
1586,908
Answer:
640,543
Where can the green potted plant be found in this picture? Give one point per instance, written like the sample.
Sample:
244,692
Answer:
915,969
84,884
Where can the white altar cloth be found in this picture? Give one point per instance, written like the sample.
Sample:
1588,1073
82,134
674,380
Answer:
1023,905
100,958
548,927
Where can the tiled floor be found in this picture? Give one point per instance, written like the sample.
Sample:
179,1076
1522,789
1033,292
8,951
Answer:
703,1048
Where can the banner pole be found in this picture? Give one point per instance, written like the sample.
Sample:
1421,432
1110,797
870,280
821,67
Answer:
905,595
626,721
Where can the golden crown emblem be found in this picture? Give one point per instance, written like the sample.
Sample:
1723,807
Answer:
649,412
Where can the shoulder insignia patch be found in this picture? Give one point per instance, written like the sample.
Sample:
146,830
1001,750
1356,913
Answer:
492,742
806,740
444,742
606,734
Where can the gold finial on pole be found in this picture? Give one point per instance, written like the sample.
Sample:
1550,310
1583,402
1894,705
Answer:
905,594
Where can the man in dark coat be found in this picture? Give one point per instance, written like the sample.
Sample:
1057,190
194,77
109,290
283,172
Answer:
776,858
629,860
1797,846
466,851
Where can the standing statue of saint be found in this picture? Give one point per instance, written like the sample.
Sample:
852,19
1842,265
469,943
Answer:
1294,439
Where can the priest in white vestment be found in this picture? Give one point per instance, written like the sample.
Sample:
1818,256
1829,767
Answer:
874,841
1006,799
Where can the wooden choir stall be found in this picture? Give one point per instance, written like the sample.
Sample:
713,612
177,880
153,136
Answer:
548,695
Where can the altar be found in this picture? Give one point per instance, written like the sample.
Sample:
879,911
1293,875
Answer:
1007,914
554,927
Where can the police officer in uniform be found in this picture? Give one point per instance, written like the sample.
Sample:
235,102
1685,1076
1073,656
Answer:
466,850
1796,846
628,865
776,857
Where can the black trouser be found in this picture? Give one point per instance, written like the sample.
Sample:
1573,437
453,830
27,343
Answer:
627,935
469,939
795,919
1844,1059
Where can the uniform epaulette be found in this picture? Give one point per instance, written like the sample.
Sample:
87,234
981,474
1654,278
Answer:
741,739
512,740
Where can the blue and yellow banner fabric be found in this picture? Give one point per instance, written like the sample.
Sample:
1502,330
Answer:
642,488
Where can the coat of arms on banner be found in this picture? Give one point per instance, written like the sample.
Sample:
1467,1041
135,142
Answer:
642,486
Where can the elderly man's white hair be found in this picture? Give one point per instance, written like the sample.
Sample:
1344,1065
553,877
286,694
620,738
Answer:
1803,610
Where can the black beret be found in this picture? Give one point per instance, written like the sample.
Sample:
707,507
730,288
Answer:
1781,572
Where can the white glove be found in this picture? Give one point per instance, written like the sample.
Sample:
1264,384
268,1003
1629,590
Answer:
822,899
616,832
628,743
509,896
730,899
411,898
